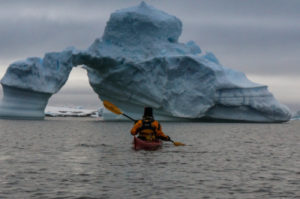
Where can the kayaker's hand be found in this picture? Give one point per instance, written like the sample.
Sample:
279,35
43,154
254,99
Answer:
168,138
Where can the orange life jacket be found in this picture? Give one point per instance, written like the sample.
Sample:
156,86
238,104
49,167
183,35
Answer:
148,129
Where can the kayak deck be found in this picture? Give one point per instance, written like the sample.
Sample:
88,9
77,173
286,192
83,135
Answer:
146,145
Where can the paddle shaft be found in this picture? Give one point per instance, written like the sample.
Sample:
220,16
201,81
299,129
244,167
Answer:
129,117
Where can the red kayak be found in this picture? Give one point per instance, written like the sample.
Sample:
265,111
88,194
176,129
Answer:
146,145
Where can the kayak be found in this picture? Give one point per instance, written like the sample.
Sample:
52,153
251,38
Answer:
146,145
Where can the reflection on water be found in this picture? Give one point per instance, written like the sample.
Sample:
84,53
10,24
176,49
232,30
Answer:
74,158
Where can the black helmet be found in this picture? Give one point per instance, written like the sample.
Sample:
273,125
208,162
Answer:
148,113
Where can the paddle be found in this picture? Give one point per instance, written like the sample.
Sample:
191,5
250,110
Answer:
111,107
177,143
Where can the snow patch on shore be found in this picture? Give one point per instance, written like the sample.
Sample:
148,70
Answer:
54,111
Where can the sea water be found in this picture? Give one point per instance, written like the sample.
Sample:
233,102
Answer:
89,158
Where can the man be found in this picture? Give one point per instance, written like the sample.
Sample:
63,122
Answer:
148,129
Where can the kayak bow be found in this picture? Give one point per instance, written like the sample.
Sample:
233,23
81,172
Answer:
146,145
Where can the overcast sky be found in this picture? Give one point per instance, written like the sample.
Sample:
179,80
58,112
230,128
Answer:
258,37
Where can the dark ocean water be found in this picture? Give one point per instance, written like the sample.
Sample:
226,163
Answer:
88,158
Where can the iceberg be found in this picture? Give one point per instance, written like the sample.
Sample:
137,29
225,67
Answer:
140,62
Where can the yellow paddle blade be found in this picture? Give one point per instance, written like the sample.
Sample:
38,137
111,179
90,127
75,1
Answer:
178,144
112,107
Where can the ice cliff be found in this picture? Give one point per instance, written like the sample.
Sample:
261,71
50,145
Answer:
28,84
139,62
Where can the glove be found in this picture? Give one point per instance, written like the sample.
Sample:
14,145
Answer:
168,138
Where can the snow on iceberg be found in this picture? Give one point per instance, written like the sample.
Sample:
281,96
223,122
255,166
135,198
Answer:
139,62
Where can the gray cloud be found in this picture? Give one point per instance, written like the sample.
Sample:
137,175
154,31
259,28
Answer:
252,50
34,37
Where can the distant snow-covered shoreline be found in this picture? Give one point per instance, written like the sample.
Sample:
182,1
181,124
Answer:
55,111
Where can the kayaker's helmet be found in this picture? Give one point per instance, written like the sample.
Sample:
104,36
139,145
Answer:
148,113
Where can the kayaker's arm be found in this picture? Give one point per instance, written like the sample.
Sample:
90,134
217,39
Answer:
160,134
167,138
136,127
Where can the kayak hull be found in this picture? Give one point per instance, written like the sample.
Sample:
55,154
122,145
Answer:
139,144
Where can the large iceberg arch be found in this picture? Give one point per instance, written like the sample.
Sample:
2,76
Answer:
139,62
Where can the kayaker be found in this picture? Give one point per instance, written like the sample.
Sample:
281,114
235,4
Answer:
147,128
